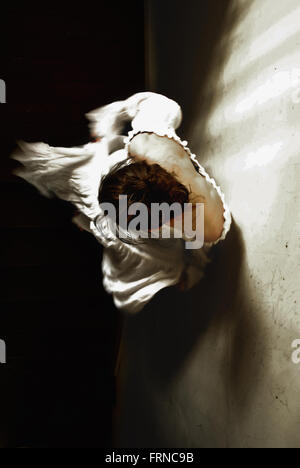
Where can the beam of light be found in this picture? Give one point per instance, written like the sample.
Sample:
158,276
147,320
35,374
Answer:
275,86
274,36
254,184
267,82
244,102
263,156
260,157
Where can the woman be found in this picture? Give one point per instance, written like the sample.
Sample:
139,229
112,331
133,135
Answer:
150,165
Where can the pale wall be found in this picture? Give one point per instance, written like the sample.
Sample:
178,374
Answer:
213,368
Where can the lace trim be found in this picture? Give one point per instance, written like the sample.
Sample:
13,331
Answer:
170,133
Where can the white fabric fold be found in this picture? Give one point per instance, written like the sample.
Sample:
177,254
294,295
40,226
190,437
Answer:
133,274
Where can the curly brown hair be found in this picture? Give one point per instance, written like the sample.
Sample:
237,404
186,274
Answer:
141,182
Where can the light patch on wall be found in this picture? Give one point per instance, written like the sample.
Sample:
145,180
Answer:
263,156
274,36
238,104
278,84
256,157
254,188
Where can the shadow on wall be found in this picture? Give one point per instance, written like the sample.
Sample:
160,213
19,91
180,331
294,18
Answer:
193,45
169,328
195,54
161,339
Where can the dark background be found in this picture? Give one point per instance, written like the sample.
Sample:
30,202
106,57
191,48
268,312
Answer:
60,327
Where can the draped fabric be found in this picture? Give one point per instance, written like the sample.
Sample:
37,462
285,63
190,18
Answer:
133,274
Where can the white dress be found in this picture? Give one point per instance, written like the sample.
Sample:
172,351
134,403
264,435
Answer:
132,273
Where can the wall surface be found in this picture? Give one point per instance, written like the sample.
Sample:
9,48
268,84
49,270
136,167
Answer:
212,367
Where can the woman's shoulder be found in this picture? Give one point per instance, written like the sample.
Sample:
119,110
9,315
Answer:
153,145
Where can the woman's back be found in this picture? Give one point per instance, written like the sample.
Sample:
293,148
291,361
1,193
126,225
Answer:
172,156
133,274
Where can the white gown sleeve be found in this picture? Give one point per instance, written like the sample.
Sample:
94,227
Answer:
72,174
157,113
132,274
141,109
